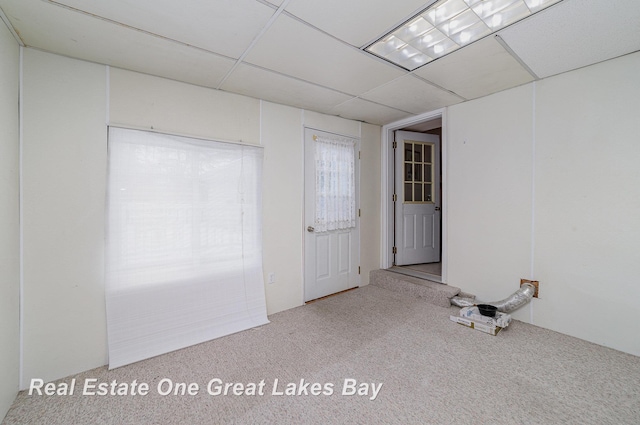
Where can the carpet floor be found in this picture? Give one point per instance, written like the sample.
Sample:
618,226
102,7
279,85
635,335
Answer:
430,268
377,357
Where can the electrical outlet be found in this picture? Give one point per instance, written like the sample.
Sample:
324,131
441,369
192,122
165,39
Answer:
534,283
271,278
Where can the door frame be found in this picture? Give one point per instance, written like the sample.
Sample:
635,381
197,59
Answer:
310,174
387,207
423,208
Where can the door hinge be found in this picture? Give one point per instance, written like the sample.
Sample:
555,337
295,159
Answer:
359,212
359,152
395,145
394,198
395,250
358,269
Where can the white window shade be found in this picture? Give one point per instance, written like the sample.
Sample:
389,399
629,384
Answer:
184,256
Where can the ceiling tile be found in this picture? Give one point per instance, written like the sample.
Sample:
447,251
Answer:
363,110
175,40
575,33
99,41
293,48
356,21
476,70
268,85
411,94
221,26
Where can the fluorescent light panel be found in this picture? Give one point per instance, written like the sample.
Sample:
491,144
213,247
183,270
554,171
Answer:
448,25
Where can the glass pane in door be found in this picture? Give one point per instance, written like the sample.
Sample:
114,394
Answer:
417,192
408,192
417,152
427,174
418,172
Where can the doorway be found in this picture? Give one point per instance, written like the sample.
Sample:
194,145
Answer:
416,198
414,235
332,229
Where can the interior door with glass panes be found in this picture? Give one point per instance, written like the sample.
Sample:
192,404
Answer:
417,206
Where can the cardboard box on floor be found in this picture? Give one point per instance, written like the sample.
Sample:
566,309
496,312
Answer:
482,327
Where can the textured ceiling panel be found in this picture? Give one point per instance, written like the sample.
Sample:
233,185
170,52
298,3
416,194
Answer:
362,110
268,85
411,94
299,58
575,33
293,48
477,70
356,21
220,26
99,41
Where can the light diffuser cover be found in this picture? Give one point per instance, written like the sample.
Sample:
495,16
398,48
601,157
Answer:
448,25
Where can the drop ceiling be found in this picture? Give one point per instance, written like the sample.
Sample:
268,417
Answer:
310,53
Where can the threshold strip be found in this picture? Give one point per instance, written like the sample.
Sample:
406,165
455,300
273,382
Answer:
330,295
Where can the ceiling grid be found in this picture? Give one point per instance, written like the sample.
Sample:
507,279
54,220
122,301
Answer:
310,53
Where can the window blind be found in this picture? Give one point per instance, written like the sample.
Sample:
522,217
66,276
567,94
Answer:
184,251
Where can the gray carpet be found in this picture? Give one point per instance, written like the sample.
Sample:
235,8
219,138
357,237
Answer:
430,291
433,371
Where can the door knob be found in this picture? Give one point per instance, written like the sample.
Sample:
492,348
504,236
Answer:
311,229
437,208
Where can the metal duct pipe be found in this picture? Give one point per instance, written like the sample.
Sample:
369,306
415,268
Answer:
507,305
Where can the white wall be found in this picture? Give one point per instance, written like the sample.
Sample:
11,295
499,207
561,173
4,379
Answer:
543,183
489,193
370,200
9,220
587,216
282,203
147,102
64,179
65,161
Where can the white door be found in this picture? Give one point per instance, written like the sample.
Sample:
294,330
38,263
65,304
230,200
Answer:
331,256
417,200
